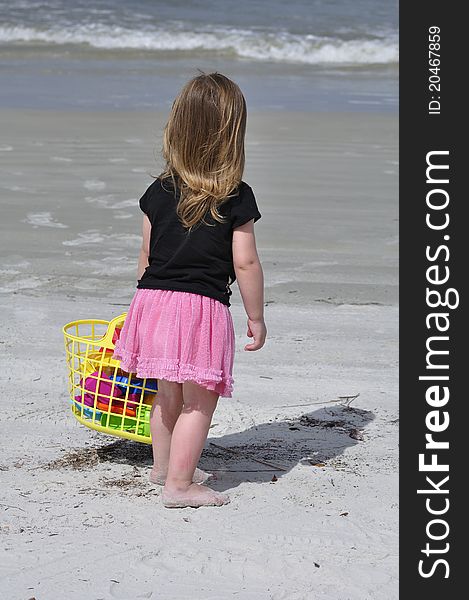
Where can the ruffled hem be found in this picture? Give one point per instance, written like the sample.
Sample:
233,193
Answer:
174,370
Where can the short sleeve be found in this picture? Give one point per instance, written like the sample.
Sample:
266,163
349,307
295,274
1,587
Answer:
244,207
148,202
144,201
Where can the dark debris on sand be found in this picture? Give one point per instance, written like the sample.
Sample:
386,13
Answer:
78,460
120,451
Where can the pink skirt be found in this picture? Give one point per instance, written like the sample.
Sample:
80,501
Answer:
178,336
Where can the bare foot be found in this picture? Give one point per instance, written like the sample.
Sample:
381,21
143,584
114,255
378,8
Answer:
198,477
196,495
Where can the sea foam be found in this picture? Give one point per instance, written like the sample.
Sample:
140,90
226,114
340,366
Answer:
256,45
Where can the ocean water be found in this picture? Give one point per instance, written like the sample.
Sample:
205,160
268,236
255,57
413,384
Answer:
136,54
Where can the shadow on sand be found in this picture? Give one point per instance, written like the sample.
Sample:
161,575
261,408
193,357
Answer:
312,439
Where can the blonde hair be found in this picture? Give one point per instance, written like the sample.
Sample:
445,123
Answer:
203,146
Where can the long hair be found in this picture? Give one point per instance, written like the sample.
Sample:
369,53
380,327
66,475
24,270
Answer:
203,146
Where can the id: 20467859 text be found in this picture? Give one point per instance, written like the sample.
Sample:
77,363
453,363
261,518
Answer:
434,58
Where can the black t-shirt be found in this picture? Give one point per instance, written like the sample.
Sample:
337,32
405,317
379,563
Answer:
199,261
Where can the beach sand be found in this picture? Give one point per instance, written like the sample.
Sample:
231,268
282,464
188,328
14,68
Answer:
79,519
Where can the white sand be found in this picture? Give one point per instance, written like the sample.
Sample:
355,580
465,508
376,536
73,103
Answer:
326,186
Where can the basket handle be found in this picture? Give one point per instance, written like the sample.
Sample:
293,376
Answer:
106,340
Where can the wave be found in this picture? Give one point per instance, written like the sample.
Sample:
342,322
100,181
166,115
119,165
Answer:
254,45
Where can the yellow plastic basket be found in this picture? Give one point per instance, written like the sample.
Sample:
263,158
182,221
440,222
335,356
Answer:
103,396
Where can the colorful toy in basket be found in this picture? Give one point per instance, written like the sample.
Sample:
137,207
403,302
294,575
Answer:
139,425
136,384
108,395
103,396
83,410
96,360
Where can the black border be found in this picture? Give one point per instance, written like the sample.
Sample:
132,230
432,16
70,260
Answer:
421,133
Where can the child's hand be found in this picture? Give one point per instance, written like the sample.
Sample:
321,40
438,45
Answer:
258,331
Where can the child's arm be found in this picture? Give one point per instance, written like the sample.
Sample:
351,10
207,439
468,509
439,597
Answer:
250,278
145,249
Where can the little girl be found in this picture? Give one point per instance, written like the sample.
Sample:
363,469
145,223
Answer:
198,237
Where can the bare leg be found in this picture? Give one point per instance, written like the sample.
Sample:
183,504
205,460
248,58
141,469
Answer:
164,414
188,440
